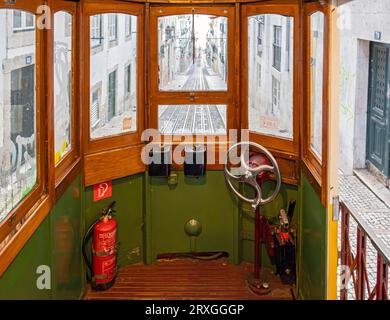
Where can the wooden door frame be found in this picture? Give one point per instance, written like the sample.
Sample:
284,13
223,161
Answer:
385,168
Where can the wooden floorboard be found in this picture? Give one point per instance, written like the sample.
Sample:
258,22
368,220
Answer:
186,279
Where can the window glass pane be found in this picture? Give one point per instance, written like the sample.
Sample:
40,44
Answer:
192,119
270,75
18,168
62,84
316,80
113,74
29,20
96,34
17,19
192,53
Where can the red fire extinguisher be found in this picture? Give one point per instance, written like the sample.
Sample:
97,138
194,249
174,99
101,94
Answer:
102,271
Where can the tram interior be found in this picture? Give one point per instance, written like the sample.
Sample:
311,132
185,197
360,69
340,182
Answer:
224,143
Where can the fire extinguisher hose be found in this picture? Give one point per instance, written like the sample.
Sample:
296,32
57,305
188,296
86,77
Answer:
86,238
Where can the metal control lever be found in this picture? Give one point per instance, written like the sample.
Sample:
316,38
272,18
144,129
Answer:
247,174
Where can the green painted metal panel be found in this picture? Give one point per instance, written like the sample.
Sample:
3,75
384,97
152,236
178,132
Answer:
67,226
128,194
20,279
312,247
56,243
205,199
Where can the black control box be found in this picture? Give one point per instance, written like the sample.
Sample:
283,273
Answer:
160,165
195,160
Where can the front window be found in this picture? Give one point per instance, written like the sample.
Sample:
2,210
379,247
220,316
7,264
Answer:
18,162
192,119
192,53
270,81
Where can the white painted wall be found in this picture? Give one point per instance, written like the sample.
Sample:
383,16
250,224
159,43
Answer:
360,19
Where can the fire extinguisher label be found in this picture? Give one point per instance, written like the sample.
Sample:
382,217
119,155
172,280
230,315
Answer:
107,241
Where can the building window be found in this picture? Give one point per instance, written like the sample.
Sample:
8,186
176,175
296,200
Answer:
23,21
128,80
128,26
95,108
62,79
111,91
96,30
277,47
258,74
112,27
18,126
68,25
275,95
260,30
288,45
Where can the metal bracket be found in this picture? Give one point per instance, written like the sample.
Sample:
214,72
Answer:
9,2
336,208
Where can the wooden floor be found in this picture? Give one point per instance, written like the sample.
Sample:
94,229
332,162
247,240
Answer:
185,279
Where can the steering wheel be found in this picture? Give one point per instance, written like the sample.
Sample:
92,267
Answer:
247,175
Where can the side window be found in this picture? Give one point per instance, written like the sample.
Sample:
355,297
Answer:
316,81
270,75
113,105
18,163
62,84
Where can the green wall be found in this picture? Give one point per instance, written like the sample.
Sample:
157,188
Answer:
312,245
205,199
56,243
128,194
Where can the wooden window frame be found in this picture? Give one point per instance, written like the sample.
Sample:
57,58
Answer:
101,154
69,165
34,207
228,97
286,151
314,167
287,148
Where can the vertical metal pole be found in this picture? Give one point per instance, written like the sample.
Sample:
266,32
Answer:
360,263
257,244
344,227
379,278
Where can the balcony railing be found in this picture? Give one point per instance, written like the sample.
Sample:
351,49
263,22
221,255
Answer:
357,280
